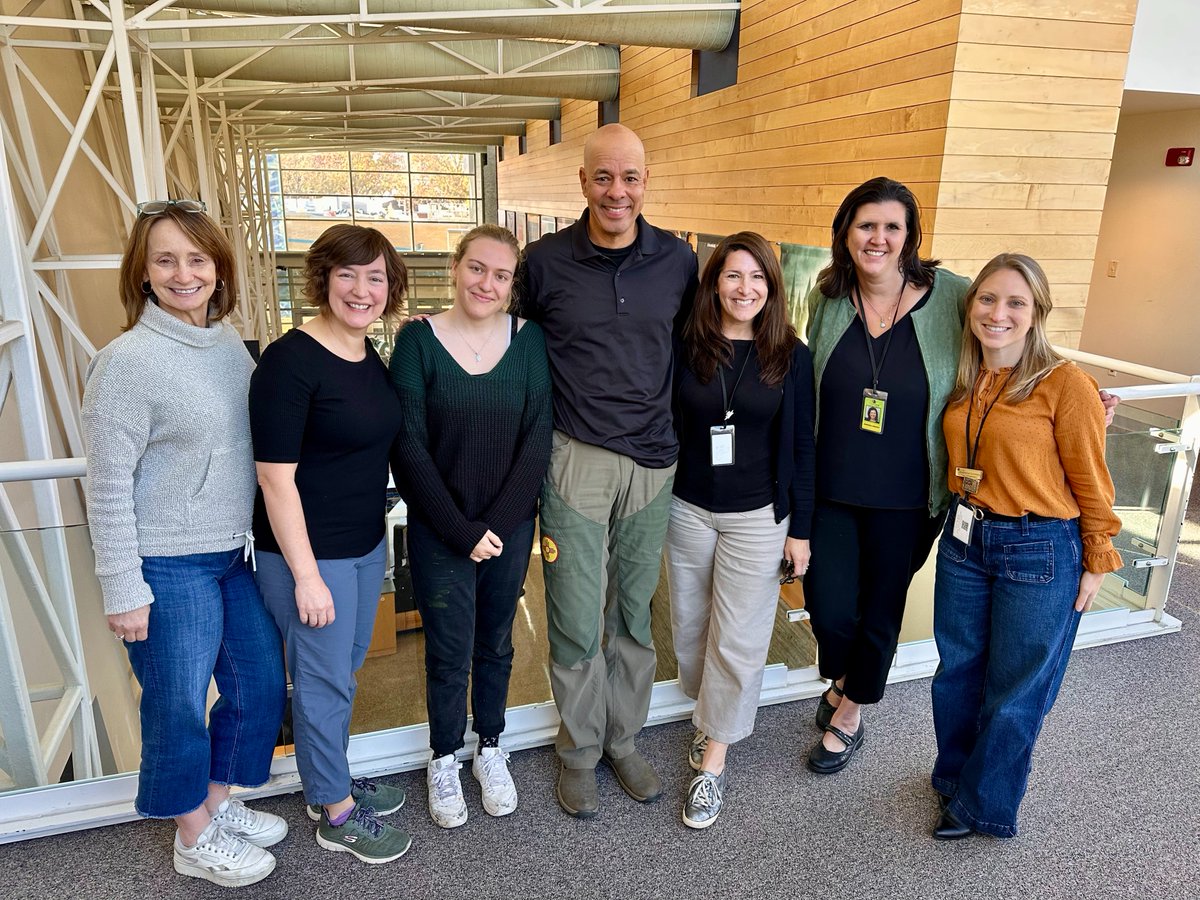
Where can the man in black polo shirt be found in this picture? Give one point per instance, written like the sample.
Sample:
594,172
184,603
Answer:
606,292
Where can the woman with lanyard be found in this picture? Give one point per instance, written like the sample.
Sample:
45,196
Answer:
1024,550
742,498
884,328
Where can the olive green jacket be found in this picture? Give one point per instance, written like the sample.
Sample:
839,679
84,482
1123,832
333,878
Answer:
939,335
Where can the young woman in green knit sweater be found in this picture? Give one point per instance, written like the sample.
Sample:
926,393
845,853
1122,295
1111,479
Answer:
474,387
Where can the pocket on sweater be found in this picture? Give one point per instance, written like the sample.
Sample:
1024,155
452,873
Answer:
226,495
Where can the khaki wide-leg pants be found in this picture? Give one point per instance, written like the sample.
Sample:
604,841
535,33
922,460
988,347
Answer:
603,520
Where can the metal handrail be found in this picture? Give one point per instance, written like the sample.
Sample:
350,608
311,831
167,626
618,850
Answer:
43,469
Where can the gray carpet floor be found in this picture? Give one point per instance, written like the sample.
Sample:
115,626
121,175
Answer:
1113,811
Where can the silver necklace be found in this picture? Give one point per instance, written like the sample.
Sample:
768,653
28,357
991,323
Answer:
883,324
478,353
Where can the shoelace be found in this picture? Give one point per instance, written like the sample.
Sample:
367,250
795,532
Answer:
706,793
238,813
495,770
364,785
702,744
365,816
445,782
223,842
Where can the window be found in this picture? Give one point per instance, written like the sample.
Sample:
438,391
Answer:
609,112
555,131
521,146
716,69
421,201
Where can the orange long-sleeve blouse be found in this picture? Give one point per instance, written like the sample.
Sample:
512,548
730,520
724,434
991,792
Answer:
1044,455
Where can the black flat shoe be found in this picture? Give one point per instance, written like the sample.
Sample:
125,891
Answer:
943,801
825,709
949,828
826,762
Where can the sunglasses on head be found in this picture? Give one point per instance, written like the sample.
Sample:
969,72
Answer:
155,207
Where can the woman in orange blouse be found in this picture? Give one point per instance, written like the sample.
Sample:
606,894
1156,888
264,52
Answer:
1024,550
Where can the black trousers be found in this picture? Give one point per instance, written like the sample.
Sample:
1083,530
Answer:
863,561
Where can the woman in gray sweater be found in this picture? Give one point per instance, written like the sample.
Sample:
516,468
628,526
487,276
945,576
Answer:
170,493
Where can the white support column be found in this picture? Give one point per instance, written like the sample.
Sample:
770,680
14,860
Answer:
142,186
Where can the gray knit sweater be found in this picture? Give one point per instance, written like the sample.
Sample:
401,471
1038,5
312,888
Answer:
170,466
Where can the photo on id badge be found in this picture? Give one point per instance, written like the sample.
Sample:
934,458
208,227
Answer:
874,404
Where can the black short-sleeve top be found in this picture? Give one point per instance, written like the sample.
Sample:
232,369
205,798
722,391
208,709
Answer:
338,421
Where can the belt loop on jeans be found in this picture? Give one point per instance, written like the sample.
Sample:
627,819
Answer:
1024,521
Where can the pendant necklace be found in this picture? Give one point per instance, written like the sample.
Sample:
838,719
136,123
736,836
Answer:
883,324
477,353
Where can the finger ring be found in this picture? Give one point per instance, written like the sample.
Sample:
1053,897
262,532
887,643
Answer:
119,637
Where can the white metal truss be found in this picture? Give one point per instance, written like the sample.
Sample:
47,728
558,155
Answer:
178,102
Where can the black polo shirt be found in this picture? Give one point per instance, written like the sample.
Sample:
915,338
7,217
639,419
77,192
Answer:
608,335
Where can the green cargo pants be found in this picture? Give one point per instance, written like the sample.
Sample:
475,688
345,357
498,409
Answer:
603,521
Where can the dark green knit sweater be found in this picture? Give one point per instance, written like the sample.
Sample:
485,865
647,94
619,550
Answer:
473,448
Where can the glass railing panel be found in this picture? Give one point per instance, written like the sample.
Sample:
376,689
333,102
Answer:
1141,475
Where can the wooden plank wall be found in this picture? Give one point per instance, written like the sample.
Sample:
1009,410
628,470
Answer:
829,93
1032,121
999,114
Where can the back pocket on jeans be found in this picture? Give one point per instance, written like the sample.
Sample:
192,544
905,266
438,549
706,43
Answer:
1031,563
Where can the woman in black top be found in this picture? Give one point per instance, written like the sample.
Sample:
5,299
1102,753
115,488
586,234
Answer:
743,497
324,418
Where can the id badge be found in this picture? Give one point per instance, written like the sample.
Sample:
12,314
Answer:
873,407
964,522
721,441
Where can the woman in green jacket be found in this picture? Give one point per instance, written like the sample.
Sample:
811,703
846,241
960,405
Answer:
884,329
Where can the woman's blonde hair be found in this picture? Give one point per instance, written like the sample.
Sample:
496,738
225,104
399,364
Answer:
1038,358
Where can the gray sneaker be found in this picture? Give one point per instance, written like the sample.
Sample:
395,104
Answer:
385,799
364,835
696,751
704,800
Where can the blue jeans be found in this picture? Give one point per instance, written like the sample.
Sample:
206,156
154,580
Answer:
322,662
207,621
1004,620
467,611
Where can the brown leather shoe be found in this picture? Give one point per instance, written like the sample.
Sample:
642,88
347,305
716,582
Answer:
576,792
637,777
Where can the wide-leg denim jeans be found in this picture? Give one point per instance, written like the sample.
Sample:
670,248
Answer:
207,621
1004,620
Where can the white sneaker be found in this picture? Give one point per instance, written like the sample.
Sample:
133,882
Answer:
491,771
446,804
223,858
262,829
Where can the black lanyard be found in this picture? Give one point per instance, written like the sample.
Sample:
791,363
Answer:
862,310
972,452
727,399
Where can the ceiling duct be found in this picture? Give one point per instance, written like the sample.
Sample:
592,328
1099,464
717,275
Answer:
697,25
442,103
521,68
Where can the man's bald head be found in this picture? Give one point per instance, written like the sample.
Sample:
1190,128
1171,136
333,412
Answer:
613,177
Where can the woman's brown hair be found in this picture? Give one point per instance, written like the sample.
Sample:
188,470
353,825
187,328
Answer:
837,278
209,240
774,337
352,245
